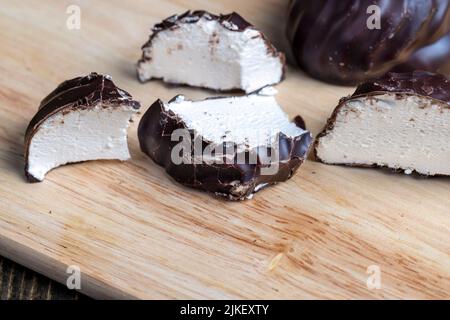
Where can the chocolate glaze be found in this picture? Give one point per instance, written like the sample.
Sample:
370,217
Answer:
427,84
420,83
154,132
435,56
78,93
299,122
232,21
331,41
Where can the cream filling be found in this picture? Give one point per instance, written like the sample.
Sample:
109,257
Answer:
408,134
80,135
206,54
252,121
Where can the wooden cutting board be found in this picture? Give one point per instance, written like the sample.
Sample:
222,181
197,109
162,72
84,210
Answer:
134,233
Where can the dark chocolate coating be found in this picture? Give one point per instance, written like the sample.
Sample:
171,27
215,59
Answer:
433,57
232,19
81,92
420,83
331,41
427,84
154,132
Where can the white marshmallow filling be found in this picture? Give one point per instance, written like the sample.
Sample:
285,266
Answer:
206,54
247,121
411,134
81,134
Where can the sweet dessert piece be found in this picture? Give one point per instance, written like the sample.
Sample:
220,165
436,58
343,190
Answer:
218,52
230,146
400,121
85,118
350,41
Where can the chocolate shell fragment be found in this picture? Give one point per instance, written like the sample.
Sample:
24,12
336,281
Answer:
229,146
331,39
218,52
400,121
85,118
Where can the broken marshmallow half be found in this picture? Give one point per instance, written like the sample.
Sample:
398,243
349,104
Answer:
400,121
218,52
229,146
85,118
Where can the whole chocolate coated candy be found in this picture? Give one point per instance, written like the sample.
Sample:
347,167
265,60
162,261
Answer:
339,41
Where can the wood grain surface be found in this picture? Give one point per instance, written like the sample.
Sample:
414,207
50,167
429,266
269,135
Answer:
135,233
20,283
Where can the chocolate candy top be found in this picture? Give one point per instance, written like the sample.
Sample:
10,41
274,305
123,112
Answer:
81,92
421,83
232,21
332,41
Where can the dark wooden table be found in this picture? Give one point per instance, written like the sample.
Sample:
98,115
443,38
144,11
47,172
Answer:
20,283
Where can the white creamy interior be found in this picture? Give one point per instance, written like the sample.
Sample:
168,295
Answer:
206,54
410,134
80,135
250,121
